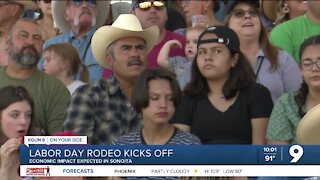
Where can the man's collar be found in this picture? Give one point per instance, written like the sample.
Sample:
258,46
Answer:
113,85
90,33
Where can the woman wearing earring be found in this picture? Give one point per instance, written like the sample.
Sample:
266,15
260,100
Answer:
16,120
273,68
283,10
222,104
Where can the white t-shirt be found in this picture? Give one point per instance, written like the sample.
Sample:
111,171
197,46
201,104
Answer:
73,86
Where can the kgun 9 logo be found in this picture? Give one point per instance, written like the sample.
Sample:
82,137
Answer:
296,151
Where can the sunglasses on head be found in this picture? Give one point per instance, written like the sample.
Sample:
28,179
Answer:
240,13
78,3
146,5
47,1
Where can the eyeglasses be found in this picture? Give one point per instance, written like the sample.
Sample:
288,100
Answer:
240,13
146,5
47,1
78,3
307,65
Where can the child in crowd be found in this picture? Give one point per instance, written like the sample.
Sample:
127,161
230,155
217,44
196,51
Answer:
156,94
63,61
179,65
16,120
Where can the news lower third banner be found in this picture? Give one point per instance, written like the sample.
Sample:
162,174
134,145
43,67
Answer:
72,156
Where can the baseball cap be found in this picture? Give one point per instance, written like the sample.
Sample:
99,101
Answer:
225,35
254,3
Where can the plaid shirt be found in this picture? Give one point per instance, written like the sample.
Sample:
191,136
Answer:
101,112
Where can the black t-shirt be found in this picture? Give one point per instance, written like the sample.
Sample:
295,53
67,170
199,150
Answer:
230,127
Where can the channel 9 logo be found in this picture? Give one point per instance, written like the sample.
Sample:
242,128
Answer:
295,151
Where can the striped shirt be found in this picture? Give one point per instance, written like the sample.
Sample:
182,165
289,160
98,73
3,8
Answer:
179,137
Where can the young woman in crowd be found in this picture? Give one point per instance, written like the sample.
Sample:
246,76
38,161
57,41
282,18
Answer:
291,107
156,94
222,104
180,65
62,61
46,20
16,116
273,68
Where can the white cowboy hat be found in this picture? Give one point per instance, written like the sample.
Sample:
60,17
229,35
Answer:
308,131
26,4
59,8
126,25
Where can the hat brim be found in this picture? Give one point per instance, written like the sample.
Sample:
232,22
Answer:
308,131
59,8
269,9
233,4
27,4
106,35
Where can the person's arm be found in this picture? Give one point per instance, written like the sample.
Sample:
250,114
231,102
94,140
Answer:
290,71
279,129
56,104
182,118
278,142
163,55
280,36
260,109
259,128
183,127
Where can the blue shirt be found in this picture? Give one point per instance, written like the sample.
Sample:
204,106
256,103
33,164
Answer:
83,46
286,78
181,66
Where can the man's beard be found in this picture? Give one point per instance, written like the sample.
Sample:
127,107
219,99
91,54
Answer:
76,20
27,57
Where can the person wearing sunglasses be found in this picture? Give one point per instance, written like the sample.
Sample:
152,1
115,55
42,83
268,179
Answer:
45,20
11,11
275,69
152,13
78,20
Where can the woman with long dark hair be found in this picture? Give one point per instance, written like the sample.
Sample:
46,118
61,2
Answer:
291,107
222,104
16,120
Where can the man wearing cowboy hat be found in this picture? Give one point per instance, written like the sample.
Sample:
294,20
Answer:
102,111
78,20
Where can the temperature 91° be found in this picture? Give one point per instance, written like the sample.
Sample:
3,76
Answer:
269,158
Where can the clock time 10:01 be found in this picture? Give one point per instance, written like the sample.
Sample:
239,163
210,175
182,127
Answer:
269,149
